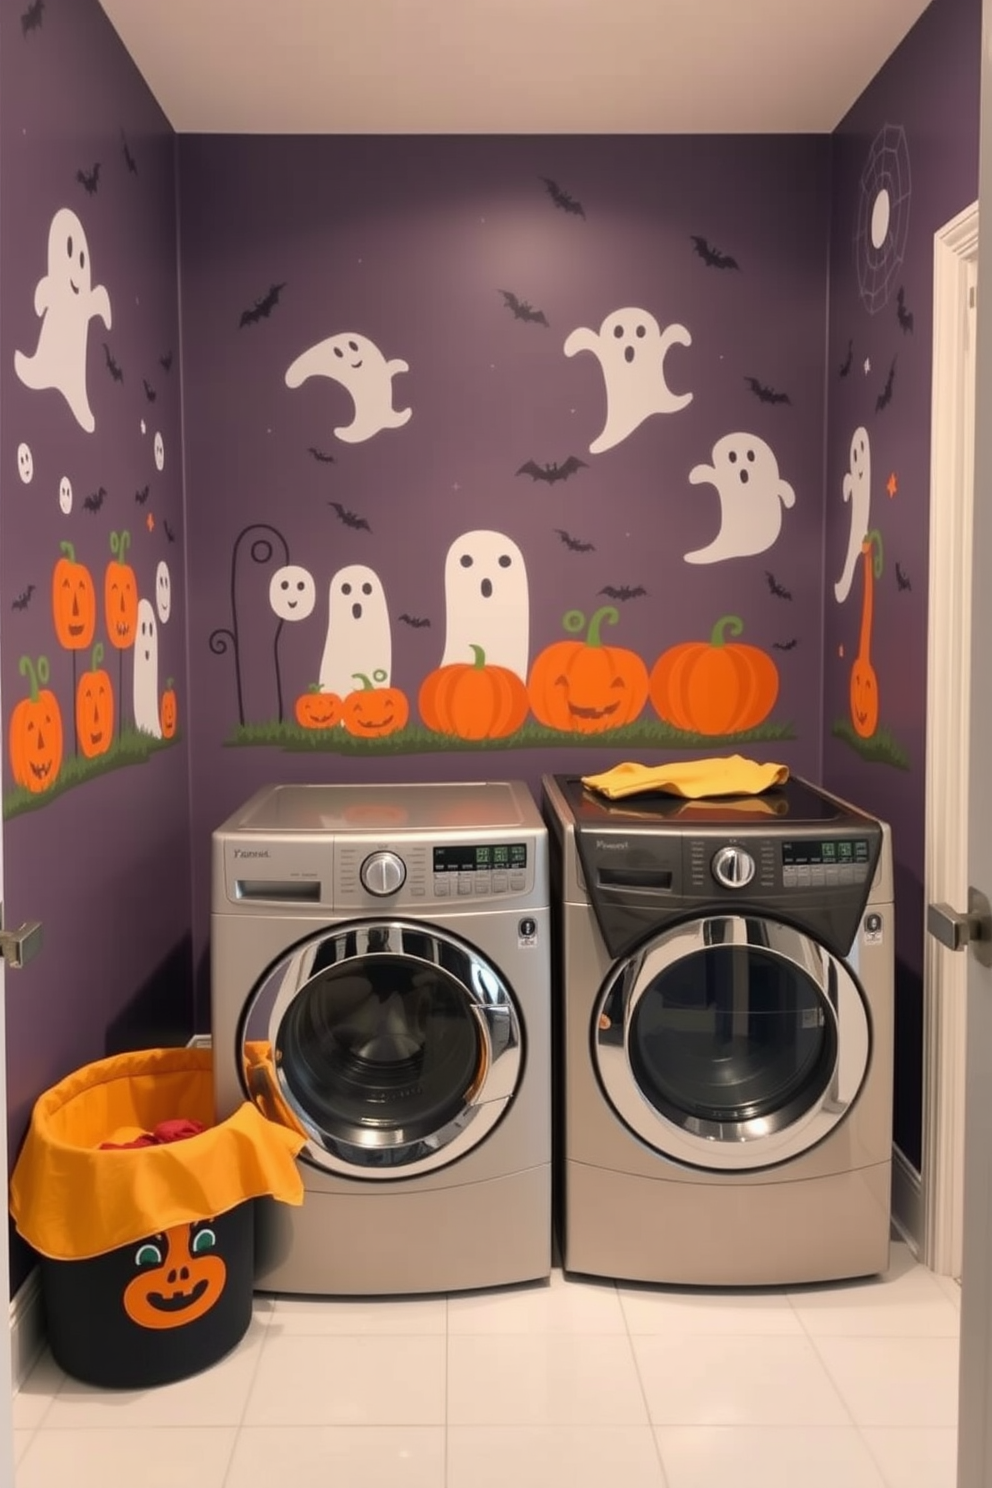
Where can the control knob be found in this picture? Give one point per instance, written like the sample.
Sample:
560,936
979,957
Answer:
733,867
382,873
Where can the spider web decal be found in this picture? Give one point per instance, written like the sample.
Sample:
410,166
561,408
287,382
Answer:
883,216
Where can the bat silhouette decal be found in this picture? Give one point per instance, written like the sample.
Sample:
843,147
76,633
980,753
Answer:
521,309
94,502
349,518
165,362
263,308
321,456
766,394
114,368
624,592
573,543
905,316
31,18
902,579
845,365
150,392
89,180
779,590
712,257
885,396
416,621
142,496
562,199
129,159
554,471
785,645
23,600
168,531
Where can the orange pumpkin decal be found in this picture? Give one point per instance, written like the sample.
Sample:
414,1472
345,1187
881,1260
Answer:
120,595
317,710
95,708
168,713
714,687
372,712
179,1278
73,601
864,682
586,687
473,700
35,738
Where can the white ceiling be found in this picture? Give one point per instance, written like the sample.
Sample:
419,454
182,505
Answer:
509,66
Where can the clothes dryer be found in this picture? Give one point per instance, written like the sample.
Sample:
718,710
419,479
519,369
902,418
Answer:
381,983
725,975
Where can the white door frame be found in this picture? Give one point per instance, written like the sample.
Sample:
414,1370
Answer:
948,719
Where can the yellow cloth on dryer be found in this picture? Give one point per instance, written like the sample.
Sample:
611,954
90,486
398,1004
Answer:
694,779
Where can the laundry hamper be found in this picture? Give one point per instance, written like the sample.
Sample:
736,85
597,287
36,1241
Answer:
146,1252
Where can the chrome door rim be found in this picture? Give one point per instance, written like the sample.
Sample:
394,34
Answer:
731,1146
497,1025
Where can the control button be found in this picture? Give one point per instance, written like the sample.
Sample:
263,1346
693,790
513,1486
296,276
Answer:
464,884
518,881
417,891
817,878
860,872
482,883
499,883
846,872
832,872
803,876
441,890
733,867
789,878
382,873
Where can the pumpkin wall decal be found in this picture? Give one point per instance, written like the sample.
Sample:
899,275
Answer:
864,682
73,601
585,686
715,686
372,712
168,713
315,709
179,1278
473,700
94,708
120,595
35,736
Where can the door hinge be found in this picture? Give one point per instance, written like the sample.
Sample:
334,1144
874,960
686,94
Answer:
18,947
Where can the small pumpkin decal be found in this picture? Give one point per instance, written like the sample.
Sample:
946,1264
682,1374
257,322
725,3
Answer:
35,735
73,601
585,686
473,700
372,712
179,1277
95,708
864,681
168,712
120,595
716,686
315,709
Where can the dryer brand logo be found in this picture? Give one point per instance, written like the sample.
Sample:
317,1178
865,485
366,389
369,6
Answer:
252,852
610,844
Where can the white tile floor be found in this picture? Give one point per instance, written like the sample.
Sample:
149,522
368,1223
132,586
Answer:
577,1384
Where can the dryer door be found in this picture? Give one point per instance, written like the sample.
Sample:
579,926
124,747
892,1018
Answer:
731,1042
391,1047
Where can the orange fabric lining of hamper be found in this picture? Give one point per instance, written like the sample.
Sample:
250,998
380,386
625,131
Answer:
71,1201
733,776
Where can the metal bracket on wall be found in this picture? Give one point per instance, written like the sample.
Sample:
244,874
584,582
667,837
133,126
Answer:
18,947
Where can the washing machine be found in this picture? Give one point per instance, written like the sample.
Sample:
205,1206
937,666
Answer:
380,961
724,1001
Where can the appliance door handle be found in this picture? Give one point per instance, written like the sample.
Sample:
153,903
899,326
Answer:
957,930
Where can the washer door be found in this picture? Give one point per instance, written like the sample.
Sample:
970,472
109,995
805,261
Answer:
731,1042
391,1048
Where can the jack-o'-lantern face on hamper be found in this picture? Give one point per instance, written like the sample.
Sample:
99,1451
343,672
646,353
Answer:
179,1278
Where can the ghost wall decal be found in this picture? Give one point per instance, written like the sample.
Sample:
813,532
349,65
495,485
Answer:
359,366
146,703
857,491
631,348
359,638
66,300
487,602
752,495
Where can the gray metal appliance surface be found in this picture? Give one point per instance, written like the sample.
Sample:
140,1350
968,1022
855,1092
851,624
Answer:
381,983
725,973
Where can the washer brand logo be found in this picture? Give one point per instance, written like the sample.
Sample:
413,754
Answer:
608,844
252,852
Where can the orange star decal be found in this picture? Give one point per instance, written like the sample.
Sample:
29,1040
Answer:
150,522
892,485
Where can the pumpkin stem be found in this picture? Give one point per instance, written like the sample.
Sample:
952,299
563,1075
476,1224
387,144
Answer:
574,622
479,656
119,544
733,623
69,549
368,685
26,668
97,658
867,604
874,537
312,687
606,616
170,683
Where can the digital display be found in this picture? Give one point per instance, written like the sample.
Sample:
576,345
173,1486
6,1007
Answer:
496,857
838,852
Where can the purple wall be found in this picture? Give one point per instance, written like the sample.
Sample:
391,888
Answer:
913,135
409,242
101,855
